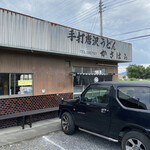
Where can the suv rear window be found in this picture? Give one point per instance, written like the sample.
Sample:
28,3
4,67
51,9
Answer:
135,97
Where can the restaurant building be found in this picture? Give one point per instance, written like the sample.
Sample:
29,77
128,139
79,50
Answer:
43,63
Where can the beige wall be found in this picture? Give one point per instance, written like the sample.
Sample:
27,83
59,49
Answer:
49,71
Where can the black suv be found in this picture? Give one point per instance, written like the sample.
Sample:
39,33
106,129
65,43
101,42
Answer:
119,111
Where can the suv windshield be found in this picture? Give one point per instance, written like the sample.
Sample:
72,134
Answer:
134,97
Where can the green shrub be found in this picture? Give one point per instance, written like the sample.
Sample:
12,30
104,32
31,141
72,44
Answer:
133,79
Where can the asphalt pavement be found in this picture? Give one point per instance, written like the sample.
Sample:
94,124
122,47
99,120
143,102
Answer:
17,134
47,135
59,141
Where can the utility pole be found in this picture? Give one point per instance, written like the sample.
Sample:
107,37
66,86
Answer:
101,17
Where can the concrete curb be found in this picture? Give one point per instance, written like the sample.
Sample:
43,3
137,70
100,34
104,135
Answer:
17,134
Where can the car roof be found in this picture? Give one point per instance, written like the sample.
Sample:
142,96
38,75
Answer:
125,83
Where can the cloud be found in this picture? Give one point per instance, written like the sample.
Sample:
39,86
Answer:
143,52
86,6
127,17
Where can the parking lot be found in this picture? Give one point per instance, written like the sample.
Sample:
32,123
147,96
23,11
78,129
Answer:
59,141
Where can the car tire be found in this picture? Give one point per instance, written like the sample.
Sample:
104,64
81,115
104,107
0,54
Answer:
135,140
67,123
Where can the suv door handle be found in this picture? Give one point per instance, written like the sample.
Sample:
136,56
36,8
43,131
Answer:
104,110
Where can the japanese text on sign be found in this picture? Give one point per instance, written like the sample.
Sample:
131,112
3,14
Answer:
24,82
108,47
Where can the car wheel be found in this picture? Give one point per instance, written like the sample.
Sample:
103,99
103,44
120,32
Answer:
134,140
67,123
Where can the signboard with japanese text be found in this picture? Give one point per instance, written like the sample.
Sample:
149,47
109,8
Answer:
24,82
100,47
44,36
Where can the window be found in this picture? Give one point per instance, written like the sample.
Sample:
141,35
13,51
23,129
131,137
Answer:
4,84
96,70
77,69
15,84
103,71
86,70
78,89
134,97
97,94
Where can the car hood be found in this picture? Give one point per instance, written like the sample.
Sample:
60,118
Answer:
71,101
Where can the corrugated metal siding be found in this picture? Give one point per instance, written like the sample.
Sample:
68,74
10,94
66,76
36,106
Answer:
29,33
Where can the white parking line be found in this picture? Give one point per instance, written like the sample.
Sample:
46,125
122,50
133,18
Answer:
48,140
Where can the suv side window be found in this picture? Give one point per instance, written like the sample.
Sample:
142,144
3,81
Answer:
135,97
97,94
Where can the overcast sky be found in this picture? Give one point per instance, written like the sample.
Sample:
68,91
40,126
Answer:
119,16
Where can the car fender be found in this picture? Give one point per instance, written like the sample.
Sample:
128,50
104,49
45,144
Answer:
65,110
131,127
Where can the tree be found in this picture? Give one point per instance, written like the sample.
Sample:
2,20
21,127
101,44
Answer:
147,73
136,71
